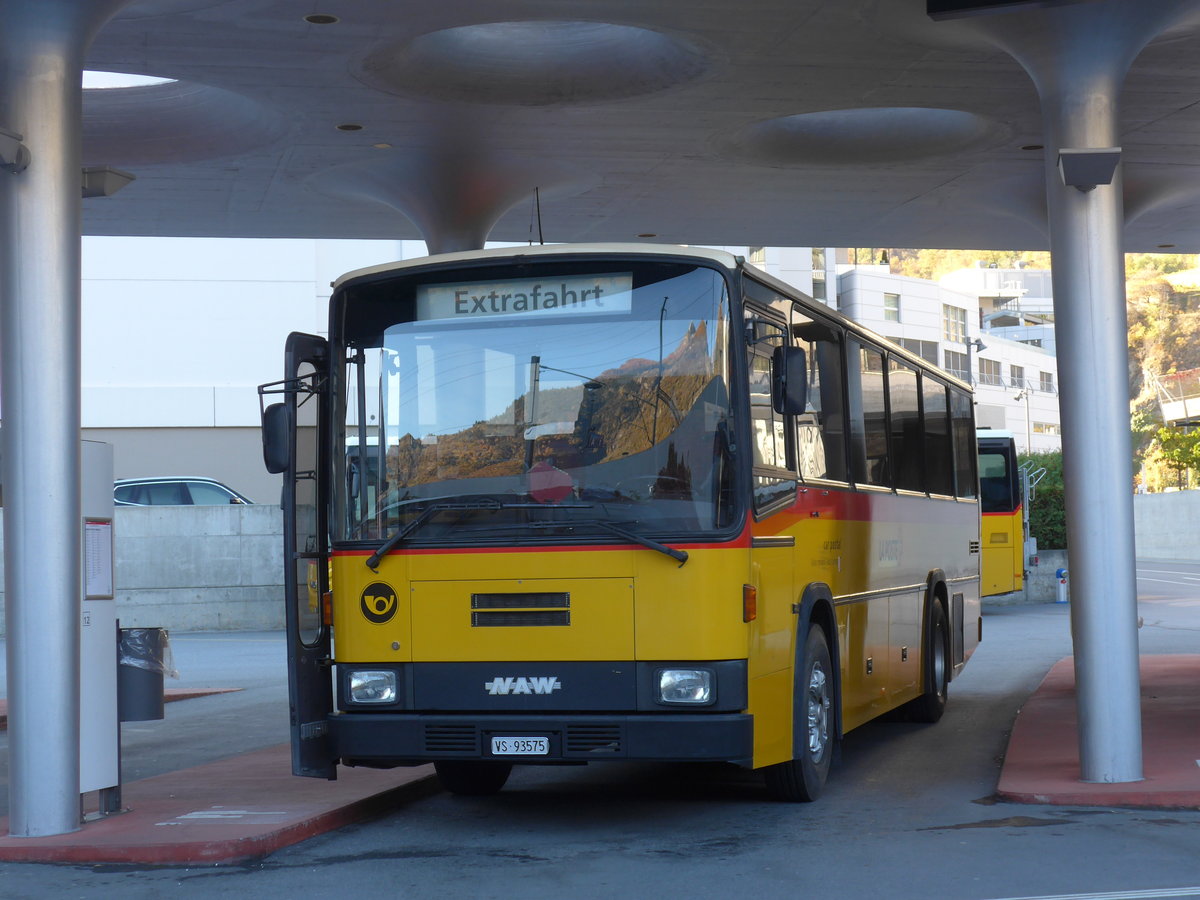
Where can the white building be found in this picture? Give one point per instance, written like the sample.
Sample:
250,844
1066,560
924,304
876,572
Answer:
1015,375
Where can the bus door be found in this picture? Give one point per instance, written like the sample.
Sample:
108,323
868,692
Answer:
292,437
773,542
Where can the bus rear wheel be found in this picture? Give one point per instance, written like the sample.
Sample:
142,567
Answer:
472,778
801,780
931,704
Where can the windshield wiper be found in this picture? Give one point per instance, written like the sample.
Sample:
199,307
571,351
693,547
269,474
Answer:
632,536
425,515
636,538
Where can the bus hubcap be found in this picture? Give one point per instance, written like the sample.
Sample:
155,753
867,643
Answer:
818,712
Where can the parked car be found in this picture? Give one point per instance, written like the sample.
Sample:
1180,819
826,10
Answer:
174,491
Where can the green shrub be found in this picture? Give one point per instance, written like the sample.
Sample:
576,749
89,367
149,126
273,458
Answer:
1047,515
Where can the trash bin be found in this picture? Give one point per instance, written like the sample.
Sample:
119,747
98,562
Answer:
141,655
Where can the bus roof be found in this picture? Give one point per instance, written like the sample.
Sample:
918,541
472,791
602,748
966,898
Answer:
721,257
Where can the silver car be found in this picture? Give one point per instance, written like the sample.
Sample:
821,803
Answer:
174,491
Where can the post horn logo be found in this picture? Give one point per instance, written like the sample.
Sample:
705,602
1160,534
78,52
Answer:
378,602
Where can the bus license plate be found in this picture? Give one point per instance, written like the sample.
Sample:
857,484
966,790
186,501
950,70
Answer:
520,746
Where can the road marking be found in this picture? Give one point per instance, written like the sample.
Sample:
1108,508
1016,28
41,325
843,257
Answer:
221,814
1118,895
1171,572
1168,581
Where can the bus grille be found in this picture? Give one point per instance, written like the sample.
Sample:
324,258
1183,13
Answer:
451,739
543,600
519,617
593,739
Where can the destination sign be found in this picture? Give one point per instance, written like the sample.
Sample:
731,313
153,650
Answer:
530,297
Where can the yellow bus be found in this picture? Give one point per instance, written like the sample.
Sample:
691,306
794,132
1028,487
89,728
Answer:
627,502
1003,522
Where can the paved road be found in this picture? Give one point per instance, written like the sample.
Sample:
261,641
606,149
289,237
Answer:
908,813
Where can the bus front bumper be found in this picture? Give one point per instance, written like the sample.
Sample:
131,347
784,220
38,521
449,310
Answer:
395,739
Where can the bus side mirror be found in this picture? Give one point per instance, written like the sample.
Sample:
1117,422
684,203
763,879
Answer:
789,380
276,438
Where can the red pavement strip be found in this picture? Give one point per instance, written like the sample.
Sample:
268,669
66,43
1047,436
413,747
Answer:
1042,763
169,694
229,811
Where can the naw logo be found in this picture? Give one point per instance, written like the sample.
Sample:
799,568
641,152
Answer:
503,687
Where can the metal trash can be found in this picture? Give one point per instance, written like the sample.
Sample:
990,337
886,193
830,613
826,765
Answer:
141,655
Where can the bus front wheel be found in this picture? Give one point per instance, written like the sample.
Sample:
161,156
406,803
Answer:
801,780
472,778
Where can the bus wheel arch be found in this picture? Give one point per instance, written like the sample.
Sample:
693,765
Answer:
816,720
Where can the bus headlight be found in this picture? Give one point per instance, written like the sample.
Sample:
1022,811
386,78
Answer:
690,686
373,686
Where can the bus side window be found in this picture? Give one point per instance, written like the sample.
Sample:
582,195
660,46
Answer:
774,480
868,416
821,430
939,451
904,402
962,420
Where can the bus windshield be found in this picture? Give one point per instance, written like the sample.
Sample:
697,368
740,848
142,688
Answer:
555,400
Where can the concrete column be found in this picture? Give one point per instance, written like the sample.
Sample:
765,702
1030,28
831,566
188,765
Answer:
41,54
1078,56
1089,308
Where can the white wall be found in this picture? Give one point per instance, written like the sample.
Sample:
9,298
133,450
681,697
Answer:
178,332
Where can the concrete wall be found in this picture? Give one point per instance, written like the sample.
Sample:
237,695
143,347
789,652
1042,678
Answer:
1167,526
199,568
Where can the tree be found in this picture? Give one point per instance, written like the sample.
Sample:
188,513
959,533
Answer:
1180,450
1047,513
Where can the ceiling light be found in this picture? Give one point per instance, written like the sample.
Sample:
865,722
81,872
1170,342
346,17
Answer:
349,126
647,234
101,81
318,19
1034,147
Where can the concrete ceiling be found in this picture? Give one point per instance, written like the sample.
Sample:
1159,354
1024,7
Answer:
773,122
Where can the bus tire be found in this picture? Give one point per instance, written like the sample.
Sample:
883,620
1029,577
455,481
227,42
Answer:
801,780
931,704
472,778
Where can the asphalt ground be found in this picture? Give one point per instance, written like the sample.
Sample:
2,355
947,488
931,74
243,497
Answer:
613,830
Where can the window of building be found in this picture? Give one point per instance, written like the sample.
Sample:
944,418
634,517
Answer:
955,363
756,255
989,372
818,290
891,307
1016,376
818,259
1036,342
927,350
1047,383
954,323
1047,428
